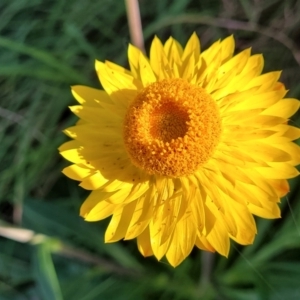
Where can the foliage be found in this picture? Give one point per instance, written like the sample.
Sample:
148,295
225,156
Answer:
46,46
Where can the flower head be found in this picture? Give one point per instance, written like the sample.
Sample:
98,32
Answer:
184,148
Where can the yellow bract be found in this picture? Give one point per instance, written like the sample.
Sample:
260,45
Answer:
184,148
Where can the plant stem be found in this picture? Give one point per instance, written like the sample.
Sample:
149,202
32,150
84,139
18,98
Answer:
207,262
135,24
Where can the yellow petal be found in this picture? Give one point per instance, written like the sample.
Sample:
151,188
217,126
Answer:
173,51
133,57
90,133
96,115
188,69
261,151
198,211
192,48
213,194
210,220
77,172
149,205
243,133
73,155
140,218
258,101
255,179
255,194
272,210
144,245
136,192
246,228
95,207
159,61
211,53
159,249
119,196
202,243
114,109
157,228
69,145
93,182
118,68
218,238
283,108
121,87
222,80
94,152
254,66
236,63
89,96
264,82
122,170
292,133
169,217
278,171
227,48
281,186
208,77
293,150
119,223
182,242
146,73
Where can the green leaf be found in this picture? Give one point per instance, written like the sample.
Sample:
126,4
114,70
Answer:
44,271
54,219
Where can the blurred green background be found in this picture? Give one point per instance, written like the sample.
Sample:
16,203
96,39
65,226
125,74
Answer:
46,46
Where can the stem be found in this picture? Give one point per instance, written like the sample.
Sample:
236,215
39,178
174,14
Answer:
207,262
135,24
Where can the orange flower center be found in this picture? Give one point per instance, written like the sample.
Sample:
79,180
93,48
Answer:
171,128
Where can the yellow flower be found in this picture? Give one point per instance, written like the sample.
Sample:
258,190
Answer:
184,148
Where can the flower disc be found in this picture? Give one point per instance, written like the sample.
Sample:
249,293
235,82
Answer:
171,128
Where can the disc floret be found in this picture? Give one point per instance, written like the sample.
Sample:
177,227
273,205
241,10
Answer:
171,128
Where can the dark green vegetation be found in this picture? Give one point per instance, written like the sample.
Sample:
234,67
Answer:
46,46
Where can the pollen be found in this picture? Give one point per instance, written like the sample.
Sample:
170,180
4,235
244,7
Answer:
171,128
